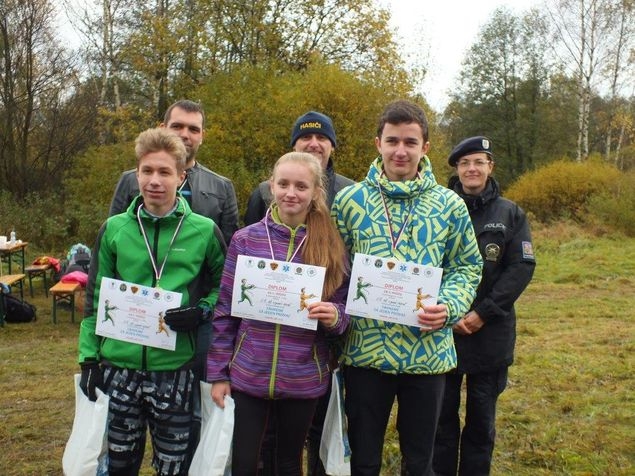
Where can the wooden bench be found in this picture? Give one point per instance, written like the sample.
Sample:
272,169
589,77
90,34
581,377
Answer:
64,292
36,270
14,280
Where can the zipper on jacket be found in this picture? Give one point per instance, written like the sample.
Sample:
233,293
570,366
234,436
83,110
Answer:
291,247
144,358
317,361
276,341
237,349
155,252
274,362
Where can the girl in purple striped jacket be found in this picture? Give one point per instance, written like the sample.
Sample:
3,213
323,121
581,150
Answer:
268,367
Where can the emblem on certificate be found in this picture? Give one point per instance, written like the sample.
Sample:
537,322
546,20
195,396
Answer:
390,290
276,291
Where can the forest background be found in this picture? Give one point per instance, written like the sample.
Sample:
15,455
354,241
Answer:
552,87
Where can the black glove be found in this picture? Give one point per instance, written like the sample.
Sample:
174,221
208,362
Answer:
91,379
184,319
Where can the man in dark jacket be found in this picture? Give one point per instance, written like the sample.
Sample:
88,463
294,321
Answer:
312,132
207,193
485,336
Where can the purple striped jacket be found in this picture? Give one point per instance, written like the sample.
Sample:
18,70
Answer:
263,359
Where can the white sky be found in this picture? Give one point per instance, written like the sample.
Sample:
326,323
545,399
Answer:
442,31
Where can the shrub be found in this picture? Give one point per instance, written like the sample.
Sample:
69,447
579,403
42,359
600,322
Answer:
563,189
615,206
250,112
51,222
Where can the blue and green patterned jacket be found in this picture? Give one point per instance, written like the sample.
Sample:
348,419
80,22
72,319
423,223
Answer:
438,232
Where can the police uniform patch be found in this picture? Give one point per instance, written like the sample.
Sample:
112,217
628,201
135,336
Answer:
528,250
492,252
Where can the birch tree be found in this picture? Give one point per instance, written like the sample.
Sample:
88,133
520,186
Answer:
619,75
163,50
583,28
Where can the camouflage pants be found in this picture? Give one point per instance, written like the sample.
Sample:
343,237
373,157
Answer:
160,401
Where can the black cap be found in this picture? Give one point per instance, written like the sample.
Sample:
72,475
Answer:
313,123
469,146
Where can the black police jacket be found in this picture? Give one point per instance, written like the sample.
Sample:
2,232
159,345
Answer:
504,239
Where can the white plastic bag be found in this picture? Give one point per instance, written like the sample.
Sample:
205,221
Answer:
335,451
86,452
213,453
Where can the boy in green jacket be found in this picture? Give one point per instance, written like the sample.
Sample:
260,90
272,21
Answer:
157,243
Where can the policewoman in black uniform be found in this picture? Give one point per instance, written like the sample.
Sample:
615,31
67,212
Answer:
486,335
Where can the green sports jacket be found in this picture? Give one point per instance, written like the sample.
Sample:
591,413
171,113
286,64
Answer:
194,266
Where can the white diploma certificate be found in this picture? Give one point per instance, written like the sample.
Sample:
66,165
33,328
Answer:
276,291
134,313
390,290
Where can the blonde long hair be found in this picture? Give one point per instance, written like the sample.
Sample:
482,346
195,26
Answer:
323,245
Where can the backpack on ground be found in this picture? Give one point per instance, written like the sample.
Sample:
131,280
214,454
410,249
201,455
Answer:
18,311
77,259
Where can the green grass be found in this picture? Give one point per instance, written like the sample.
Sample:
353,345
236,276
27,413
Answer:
569,408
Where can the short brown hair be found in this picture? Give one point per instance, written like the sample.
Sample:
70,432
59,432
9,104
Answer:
400,112
187,106
161,139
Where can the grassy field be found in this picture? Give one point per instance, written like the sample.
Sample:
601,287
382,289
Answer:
569,408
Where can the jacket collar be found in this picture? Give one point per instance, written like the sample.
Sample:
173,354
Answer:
276,223
182,208
475,202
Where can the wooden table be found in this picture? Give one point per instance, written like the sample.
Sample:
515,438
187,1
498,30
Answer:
13,252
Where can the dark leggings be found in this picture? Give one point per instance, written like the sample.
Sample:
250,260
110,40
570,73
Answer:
293,418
